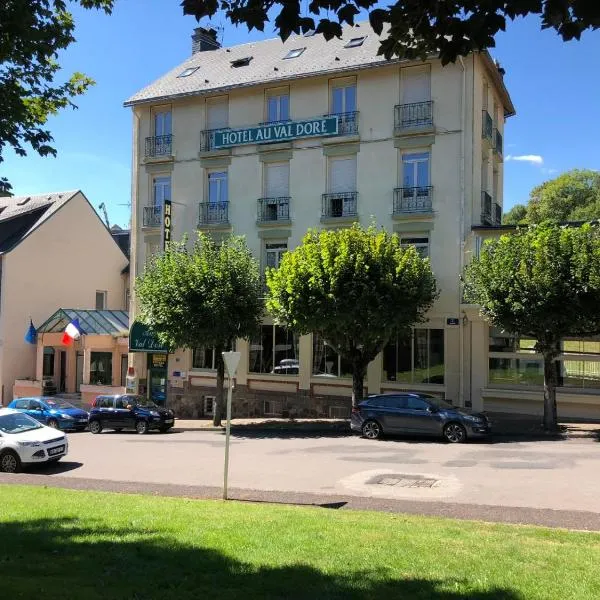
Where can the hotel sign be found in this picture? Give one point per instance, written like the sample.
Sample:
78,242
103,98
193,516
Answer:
143,339
276,132
166,223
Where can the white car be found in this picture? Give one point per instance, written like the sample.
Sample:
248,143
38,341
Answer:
23,440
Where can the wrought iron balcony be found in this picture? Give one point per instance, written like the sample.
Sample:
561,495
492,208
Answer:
339,204
498,142
409,200
207,138
159,145
214,213
152,216
414,115
487,218
497,214
347,122
273,209
487,126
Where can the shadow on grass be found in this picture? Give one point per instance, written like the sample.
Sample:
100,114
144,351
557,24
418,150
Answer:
60,558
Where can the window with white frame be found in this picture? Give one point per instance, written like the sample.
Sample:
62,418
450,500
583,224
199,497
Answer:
343,98
277,180
278,106
420,241
274,252
162,123
415,171
217,188
161,187
341,199
101,299
217,112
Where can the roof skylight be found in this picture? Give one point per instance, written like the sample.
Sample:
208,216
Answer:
354,42
23,202
187,72
241,62
295,53
310,33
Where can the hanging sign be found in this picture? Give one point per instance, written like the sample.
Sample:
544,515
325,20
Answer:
167,223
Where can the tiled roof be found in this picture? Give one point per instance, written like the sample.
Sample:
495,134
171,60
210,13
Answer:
216,73
13,206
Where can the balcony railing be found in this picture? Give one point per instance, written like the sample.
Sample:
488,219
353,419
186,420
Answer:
497,142
487,126
413,200
213,213
486,209
416,114
497,214
273,209
340,204
347,122
207,138
152,216
159,145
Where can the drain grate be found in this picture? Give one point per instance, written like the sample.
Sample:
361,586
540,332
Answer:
404,480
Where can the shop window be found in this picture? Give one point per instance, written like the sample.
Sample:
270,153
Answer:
204,357
415,358
327,362
48,364
274,350
101,368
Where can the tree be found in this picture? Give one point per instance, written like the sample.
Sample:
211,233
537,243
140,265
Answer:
31,35
517,214
355,287
448,28
541,282
207,296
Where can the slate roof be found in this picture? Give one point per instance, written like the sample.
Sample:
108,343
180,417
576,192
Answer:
92,322
268,65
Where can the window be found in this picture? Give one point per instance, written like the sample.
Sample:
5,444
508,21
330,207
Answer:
278,107
277,180
415,174
295,53
413,403
162,123
354,42
204,357
22,404
101,300
217,187
415,84
187,72
343,99
327,362
209,406
274,252
310,33
274,350
161,191
421,244
416,358
101,368
342,175
23,202
122,402
48,362
217,112
241,62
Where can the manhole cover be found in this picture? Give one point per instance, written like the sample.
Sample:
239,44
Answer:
404,480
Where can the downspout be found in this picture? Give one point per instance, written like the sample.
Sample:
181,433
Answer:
461,246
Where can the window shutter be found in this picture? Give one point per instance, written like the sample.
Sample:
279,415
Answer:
415,84
342,175
217,113
278,180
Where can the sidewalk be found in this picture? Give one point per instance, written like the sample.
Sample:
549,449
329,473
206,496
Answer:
503,424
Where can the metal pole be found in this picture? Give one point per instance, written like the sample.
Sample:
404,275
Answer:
227,431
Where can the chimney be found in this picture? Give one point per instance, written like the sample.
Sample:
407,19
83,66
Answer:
204,39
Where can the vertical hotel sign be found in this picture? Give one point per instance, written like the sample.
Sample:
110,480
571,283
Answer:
167,223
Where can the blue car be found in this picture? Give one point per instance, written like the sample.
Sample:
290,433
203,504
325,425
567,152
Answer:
54,412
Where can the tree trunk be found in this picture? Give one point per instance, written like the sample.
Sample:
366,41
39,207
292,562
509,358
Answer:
219,404
358,389
550,377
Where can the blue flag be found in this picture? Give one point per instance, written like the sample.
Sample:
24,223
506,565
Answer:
31,335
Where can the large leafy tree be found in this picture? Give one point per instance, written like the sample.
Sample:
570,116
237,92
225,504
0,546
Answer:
573,196
208,295
417,28
32,32
355,287
541,282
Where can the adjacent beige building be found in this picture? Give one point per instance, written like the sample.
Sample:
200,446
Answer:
268,139
55,252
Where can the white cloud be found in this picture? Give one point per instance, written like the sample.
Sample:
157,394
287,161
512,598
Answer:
534,159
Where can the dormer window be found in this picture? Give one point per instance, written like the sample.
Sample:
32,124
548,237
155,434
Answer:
241,62
355,42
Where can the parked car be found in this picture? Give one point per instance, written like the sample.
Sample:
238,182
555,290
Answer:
24,440
287,366
54,412
129,412
416,413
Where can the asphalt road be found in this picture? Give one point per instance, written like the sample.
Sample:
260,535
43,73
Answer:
545,482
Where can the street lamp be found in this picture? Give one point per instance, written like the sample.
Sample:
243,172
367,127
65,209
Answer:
232,360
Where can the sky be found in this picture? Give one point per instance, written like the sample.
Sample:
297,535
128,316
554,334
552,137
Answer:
553,85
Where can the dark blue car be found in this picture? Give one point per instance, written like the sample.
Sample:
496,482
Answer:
417,414
51,411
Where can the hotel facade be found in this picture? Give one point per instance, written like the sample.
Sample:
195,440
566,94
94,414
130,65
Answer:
269,139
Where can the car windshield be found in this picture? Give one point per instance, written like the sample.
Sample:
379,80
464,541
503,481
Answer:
141,401
18,423
58,403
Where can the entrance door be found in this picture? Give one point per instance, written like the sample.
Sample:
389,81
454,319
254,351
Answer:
79,372
123,370
157,378
62,383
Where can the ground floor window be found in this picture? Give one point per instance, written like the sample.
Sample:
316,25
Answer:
415,358
48,365
327,362
204,357
274,350
101,368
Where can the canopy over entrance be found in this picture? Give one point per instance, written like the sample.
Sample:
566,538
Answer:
92,322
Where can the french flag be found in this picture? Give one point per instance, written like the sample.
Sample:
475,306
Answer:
72,332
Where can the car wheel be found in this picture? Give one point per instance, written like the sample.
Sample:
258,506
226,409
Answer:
142,427
10,462
52,423
371,430
455,433
95,427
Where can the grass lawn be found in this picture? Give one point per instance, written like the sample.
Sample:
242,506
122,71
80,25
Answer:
69,544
